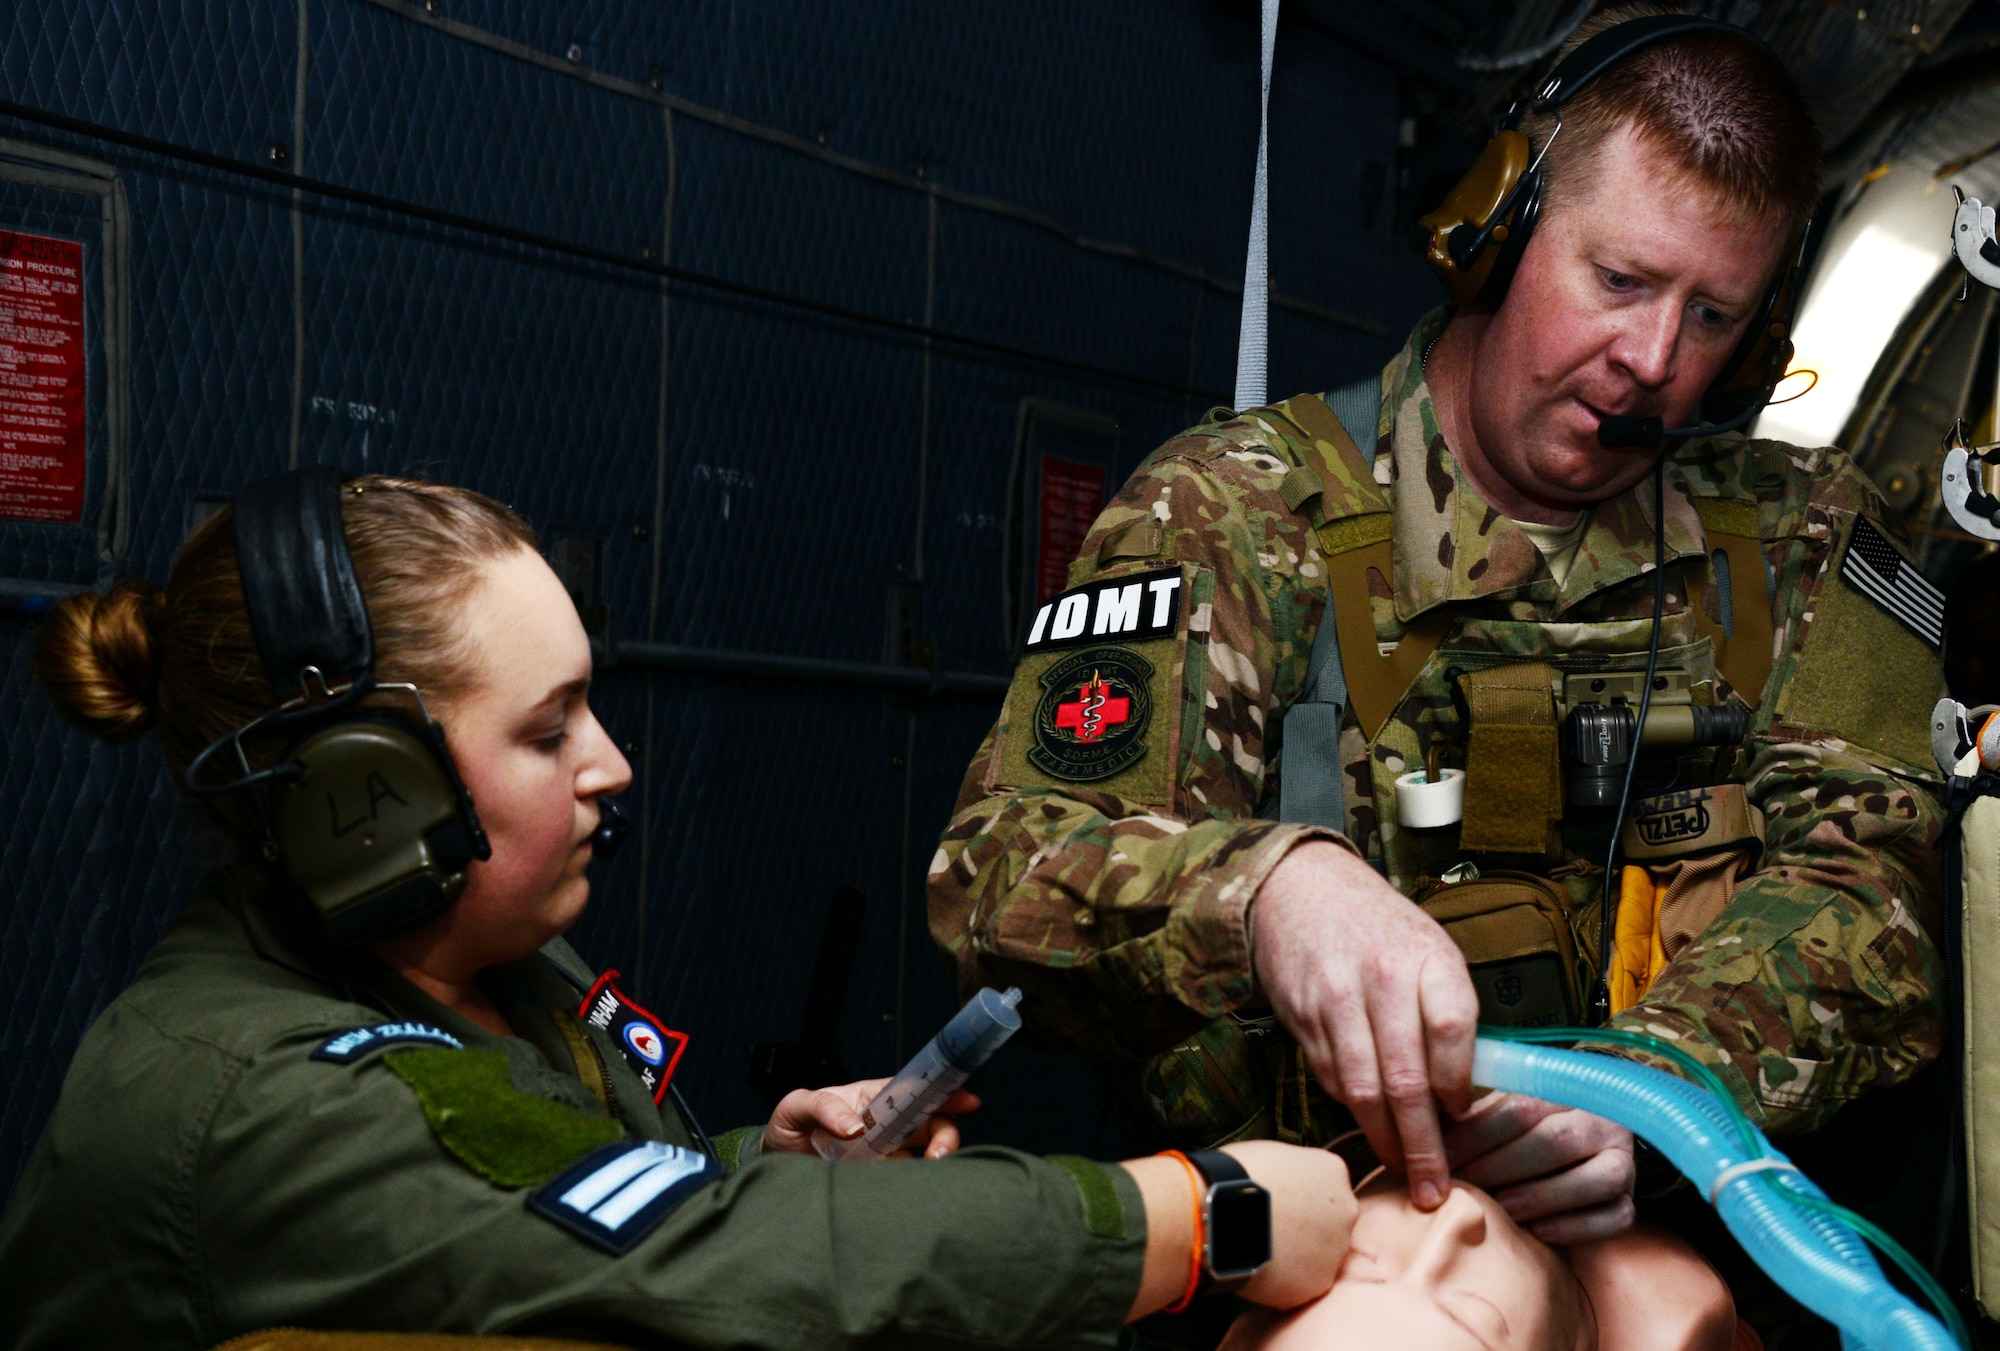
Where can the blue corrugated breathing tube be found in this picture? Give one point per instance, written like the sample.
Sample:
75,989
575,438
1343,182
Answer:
1811,1247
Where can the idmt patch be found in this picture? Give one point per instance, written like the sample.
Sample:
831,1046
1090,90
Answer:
1092,717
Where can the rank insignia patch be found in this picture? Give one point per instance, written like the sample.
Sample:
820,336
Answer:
1092,717
620,1193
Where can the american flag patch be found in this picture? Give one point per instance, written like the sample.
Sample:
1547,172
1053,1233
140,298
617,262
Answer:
1874,568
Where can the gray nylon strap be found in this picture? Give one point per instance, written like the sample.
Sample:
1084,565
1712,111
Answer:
1311,780
1311,791
1254,332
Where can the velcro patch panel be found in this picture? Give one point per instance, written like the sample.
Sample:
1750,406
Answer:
1129,609
620,1193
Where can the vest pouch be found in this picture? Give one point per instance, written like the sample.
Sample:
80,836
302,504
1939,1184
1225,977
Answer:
1212,1087
1514,930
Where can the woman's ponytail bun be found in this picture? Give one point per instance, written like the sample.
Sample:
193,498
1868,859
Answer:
98,657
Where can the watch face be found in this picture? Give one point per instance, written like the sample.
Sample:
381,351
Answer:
1239,1229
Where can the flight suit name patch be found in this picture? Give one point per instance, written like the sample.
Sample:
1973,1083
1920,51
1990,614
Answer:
1091,720
620,1193
649,1046
1133,608
349,1047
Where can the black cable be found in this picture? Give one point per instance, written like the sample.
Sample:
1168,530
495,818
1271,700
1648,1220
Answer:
1607,906
319,187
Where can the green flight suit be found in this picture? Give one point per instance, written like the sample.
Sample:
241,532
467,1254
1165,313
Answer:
1119,900
204,1176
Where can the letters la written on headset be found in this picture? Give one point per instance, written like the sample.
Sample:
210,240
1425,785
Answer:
1133,608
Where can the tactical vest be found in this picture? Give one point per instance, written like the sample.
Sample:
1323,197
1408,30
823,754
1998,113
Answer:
1527,926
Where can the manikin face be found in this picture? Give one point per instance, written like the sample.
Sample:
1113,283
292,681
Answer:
1463,1277
534,757
1630,298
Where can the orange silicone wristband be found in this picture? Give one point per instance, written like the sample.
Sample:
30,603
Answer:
1194,1260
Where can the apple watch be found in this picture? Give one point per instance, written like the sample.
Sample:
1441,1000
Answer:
1235,1221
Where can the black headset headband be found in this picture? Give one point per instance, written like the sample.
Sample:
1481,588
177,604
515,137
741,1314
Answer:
299,585
1614,44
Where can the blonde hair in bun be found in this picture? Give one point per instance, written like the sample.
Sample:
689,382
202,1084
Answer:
98,658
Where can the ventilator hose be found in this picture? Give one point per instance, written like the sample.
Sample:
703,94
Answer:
1813,1256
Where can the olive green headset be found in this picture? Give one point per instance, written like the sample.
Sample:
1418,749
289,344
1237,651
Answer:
365,811
1475,238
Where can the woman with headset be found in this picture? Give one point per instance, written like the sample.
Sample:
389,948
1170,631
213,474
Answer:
361,1083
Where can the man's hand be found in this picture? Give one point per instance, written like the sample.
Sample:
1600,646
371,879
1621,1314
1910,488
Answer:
813,1120
1379,998
1564,1175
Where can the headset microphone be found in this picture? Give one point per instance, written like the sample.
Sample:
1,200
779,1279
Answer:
613,821
1622,431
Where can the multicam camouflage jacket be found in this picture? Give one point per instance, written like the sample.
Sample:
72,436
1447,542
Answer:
1107,843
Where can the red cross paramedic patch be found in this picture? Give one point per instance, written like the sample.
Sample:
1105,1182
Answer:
1091,720
1094,712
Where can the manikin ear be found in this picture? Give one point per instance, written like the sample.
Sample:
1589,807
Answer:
1652,1292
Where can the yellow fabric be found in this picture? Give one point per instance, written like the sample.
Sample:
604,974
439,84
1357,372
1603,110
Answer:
1632,951
1663,909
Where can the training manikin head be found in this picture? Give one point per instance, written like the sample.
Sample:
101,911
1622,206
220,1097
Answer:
1465,1277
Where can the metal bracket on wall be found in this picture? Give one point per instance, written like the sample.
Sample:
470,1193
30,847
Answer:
33,598
62,171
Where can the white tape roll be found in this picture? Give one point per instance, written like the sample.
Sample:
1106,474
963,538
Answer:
1422,804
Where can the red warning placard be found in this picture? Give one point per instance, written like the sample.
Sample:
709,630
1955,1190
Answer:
1072,495
41,378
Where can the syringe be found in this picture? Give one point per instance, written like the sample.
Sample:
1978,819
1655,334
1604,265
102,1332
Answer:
934,1074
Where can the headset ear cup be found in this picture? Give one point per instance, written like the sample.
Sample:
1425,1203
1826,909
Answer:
1447,235
371,830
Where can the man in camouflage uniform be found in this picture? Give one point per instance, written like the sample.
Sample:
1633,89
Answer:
1114,850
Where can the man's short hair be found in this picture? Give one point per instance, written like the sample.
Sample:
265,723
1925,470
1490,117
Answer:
1724,109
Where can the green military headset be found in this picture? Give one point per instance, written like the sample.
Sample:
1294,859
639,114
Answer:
1475,238
366,812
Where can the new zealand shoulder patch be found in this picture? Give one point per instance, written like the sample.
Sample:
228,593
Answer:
349,1047
1092,717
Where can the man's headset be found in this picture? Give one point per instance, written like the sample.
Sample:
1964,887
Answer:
1476,237
366,812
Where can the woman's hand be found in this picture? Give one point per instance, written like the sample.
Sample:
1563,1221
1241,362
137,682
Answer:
814,1120
1312,1214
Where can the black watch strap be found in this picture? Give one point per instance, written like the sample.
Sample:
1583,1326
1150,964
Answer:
1236,1222
1216,1166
